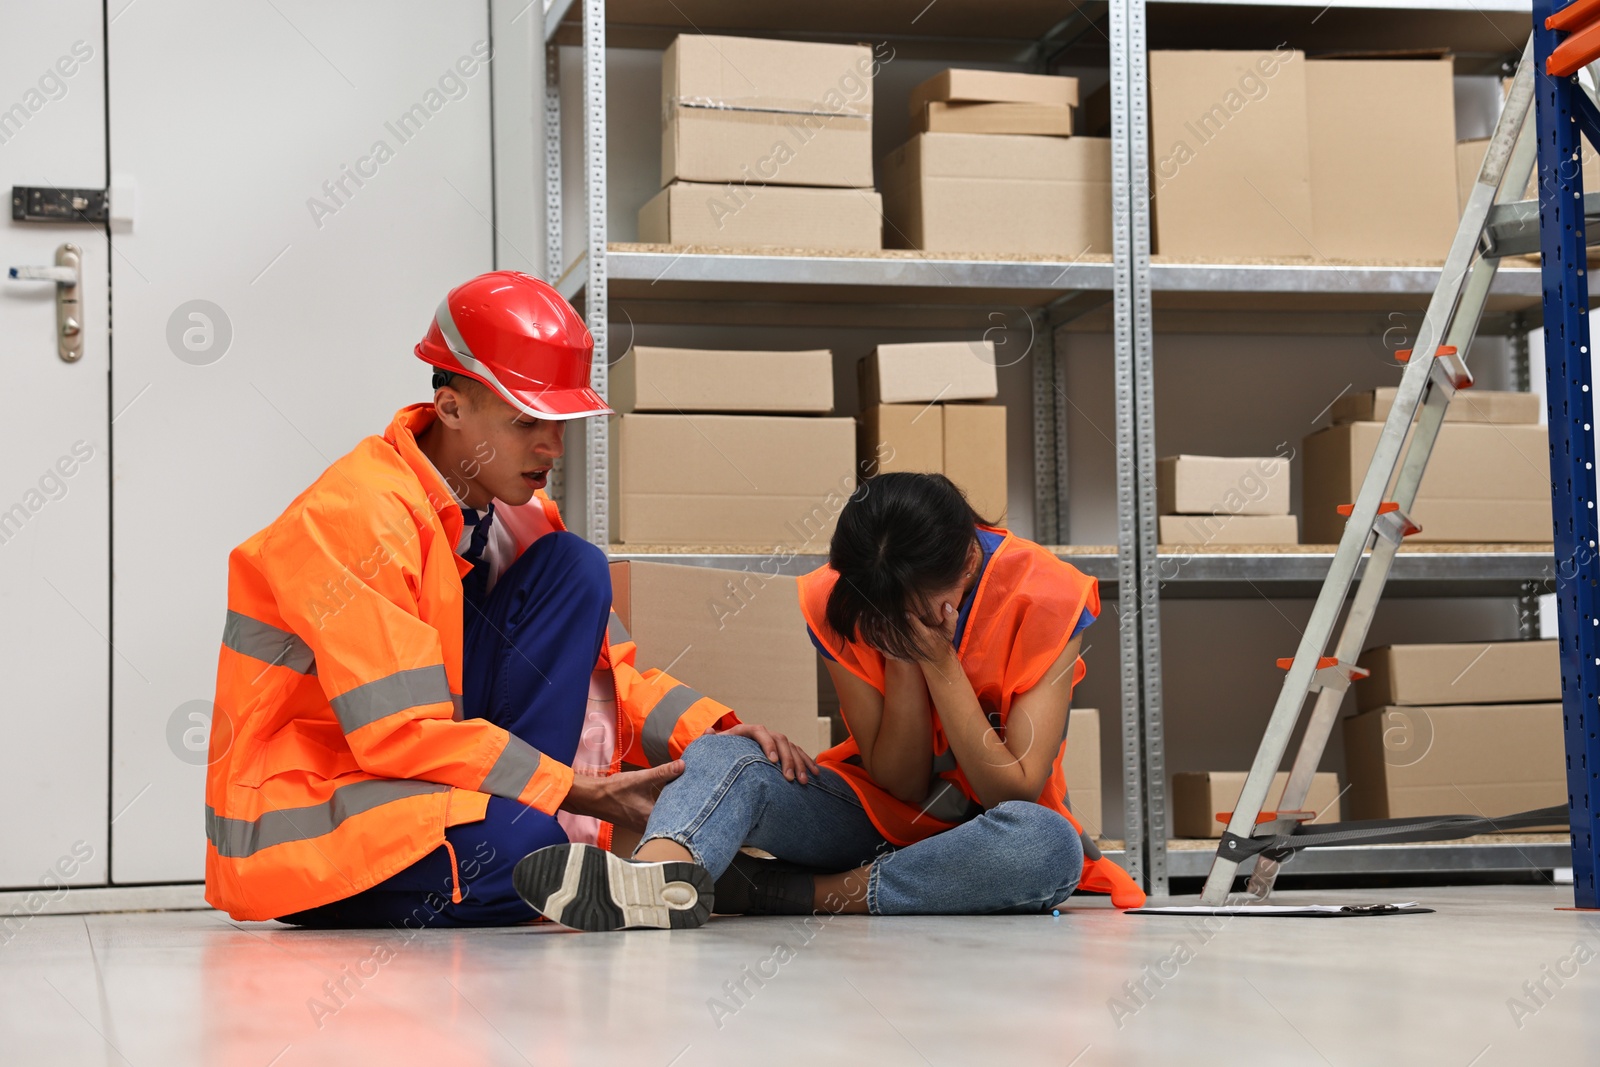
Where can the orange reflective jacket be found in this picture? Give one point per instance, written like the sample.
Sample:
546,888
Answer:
1023,613
339,754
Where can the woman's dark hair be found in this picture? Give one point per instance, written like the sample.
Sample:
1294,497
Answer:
900,537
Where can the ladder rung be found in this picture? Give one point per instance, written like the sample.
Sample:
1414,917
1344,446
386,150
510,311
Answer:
1383,508
1225,817
1447,362
1330,673
1392,523
1404,355
1326,661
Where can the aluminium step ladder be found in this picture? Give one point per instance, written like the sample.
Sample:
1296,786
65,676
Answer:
1493,224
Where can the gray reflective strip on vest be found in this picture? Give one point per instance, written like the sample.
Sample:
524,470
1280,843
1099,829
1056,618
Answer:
265,642
240,838
513,771
459,702
947,803
401,690
944,761
663,719
617,633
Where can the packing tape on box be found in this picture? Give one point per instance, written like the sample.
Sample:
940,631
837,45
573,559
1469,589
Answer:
781,106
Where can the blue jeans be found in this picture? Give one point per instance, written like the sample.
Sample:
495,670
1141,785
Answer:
528,652
1015,858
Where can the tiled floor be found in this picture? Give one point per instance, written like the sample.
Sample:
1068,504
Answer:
195,988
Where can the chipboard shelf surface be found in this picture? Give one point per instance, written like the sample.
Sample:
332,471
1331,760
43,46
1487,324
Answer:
653,283
1281,571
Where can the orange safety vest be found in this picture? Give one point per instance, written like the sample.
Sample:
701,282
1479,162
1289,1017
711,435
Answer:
1023,613
338,750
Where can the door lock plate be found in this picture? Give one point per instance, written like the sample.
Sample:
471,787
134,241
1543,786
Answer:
33,203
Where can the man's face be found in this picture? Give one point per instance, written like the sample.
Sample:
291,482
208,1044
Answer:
505,453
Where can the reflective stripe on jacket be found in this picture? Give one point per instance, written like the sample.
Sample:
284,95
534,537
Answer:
1022,618
339,754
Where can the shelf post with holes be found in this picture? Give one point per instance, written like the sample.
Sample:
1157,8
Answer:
1567,38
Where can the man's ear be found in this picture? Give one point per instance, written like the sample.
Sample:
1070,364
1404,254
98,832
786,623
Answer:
447,403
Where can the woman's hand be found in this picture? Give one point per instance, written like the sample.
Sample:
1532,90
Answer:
935,636
779,749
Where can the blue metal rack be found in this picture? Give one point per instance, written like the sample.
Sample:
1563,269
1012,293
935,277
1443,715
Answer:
1561,110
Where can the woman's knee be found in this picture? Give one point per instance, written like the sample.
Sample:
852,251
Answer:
1042,844
724,757
721,752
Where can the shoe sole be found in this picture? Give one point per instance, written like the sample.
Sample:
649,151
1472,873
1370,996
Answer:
587,888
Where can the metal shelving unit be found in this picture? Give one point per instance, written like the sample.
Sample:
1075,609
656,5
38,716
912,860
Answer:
1128,293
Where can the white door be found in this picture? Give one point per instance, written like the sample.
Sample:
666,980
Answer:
311,179
55,464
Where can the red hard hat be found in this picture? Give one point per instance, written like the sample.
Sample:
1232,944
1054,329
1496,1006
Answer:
515,334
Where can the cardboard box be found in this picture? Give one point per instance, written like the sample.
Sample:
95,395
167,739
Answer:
968,192
1382,176
1474,672
730,479
975,456
763,216
1199,796
1230,155
1039,120
807,121
901,437
1228,530
1484,483
964,442
1469,158
1469,405
995,86
695,380
1227,485
924,372
1487,759
710,626
1080,763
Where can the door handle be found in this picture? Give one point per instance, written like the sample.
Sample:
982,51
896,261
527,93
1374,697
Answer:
68,276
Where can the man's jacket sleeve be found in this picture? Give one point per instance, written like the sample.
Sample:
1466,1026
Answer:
350,586
658,715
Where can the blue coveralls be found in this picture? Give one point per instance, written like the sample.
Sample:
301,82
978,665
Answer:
529,648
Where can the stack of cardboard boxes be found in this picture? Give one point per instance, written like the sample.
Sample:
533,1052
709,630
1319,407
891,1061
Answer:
1487,480
765,144
922,410
1472,729
1224,500
993,169
718,448
1270,155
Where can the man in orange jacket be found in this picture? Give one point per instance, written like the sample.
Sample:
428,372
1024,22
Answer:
421,681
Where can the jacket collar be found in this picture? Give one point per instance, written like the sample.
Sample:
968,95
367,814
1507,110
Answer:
402,433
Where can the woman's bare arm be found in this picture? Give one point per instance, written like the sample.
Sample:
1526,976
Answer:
893,732
1016,766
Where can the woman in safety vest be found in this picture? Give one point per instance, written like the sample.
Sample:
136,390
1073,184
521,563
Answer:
953,645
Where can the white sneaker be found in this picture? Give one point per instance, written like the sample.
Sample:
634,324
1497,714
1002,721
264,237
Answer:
588,888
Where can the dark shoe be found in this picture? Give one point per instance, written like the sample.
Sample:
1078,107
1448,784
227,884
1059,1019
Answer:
588,888
766,887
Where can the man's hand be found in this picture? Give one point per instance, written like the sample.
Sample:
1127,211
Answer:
780,750
624,799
